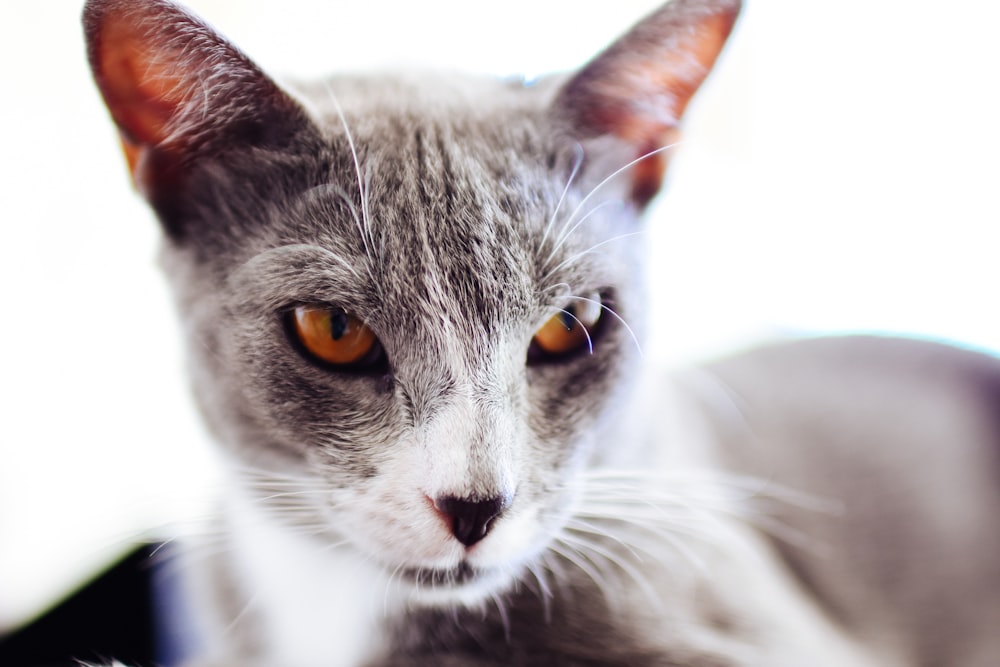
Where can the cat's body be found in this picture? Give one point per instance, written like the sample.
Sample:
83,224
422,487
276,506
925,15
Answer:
472,464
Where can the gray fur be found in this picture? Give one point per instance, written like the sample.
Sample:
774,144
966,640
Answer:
791,506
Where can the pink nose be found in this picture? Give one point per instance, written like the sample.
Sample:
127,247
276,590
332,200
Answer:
470,520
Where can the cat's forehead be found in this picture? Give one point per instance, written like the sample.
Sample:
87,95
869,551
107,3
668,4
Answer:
453,192
383,100
481,135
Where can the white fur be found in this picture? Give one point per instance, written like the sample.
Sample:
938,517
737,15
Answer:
324,607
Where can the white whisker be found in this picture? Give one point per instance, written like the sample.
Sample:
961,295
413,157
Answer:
544,591
618,561
611,311
576,257
615,173
706,506
501,606
668,533
577,162
570,554
586,331
364,226
241,615
388,588
580,526
565,236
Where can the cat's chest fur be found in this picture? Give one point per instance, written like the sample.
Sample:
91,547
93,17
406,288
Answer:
304,605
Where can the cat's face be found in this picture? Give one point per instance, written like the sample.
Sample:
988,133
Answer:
411,302
454,251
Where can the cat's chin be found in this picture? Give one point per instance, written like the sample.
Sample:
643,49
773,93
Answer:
464,584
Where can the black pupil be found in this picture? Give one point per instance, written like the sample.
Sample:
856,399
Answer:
568,320
338,325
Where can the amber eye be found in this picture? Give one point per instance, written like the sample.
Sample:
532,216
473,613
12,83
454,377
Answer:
571,329
333,336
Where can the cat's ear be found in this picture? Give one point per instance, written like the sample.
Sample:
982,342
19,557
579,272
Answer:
637,89
177,90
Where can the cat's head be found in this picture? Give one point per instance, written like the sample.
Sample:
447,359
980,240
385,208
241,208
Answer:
414,299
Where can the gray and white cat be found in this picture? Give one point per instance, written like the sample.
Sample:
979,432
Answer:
414,307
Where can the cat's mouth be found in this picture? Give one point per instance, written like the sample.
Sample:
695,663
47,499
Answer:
462,584
454,577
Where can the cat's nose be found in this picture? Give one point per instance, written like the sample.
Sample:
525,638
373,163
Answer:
470,520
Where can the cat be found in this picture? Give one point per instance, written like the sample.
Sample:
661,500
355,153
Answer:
414,306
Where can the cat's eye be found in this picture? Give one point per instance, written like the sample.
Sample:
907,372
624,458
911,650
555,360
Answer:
334,337
570,330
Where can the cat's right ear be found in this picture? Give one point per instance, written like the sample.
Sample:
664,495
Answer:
178,91
631,97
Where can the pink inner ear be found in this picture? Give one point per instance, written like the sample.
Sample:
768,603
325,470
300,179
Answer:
652,90
144,88
639,87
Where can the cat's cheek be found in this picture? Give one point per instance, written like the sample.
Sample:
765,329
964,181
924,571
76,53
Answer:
390,518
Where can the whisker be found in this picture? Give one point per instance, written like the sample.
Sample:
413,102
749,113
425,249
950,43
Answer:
504,616
551,564
364,228
575,258
611,311
701,504
565,236
586,332
615,560
669,534
240,615
544,591
617,172
366,207
569,554
292,494
388,585
577,162
689,481
551,288
578,525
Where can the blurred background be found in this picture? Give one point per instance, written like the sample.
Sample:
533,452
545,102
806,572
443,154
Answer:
840,173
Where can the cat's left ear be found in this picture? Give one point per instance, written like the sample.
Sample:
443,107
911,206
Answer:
635,92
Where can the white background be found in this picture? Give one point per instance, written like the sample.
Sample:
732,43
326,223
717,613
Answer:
840,173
